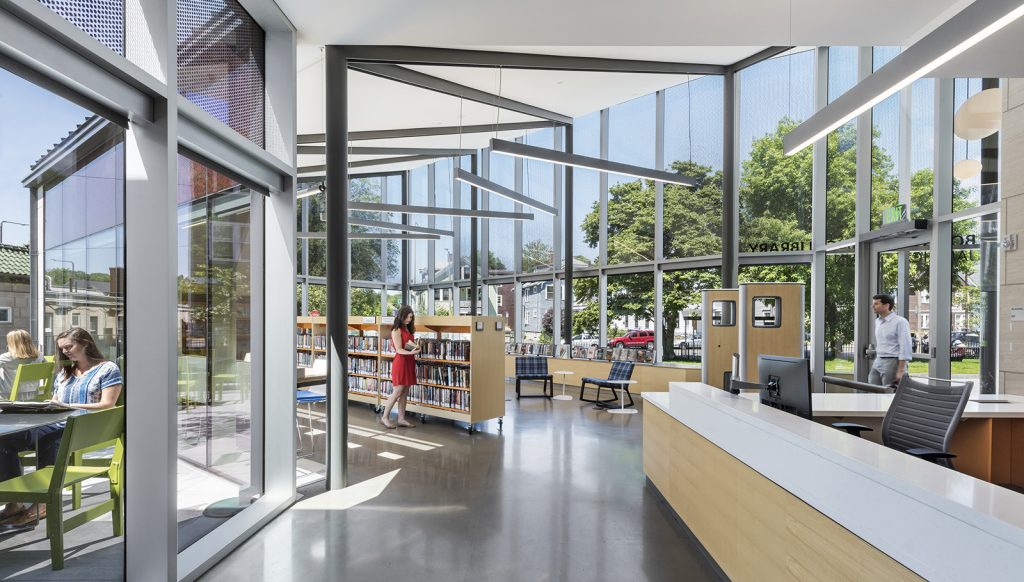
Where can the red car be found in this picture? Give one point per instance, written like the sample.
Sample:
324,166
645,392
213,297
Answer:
640,338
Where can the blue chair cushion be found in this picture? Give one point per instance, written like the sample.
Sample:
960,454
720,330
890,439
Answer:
531,367
621,371
309,397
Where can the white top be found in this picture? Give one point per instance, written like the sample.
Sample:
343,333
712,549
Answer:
892,337
9,369
941,524
875,405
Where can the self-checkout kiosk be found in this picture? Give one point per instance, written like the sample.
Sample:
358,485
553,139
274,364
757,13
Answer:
771,322
720,335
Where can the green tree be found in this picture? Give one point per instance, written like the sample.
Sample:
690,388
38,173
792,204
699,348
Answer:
538,255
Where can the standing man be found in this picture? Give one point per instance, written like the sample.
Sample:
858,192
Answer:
892,343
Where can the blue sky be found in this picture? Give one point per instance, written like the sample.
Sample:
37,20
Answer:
31,121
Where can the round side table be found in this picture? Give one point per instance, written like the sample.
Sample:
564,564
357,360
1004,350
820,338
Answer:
563,395
622,398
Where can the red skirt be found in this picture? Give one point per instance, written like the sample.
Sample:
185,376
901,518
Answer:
403,370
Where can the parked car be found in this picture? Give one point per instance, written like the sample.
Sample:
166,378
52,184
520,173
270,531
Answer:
964,344
691,343
585,339
639,338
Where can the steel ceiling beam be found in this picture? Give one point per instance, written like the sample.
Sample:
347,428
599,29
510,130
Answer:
431,210
521,150
439,85
408,55
390,151
485,184
352,220
318,138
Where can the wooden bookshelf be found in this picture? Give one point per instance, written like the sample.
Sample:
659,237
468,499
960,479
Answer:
483,394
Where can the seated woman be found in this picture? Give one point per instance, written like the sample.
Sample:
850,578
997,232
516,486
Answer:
20,350
85,380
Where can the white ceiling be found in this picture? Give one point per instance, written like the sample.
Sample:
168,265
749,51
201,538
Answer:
691,31
603,23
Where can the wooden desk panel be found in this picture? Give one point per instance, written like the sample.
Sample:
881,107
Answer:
754,529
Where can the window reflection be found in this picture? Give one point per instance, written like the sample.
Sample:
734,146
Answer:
215,391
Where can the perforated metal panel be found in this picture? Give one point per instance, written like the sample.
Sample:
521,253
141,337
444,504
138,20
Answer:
221,63
100,19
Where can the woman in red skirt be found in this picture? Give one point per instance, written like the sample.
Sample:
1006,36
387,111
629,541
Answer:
403,369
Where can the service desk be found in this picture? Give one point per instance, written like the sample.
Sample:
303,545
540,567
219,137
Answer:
989,443
773,496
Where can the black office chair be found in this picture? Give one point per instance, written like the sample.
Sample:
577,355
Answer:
922,418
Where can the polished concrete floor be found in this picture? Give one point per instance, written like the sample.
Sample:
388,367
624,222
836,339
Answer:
557,494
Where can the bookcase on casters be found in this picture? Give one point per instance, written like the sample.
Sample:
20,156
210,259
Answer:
460,371
465,387
365,340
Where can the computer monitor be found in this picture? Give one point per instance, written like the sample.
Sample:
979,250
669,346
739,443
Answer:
785,384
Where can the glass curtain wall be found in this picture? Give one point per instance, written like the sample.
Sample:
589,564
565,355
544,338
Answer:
62,265
216,272
586,193
681,311
539,184
631,202
775,96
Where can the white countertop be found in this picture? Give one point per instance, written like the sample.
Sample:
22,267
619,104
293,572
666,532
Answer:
942,524
867,405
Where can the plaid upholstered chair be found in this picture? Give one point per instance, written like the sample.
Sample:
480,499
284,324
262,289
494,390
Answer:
534,368
619,371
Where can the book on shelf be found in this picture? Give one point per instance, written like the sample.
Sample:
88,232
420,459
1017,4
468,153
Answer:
362,343
440,397
362,365
444,349
363,385
446,374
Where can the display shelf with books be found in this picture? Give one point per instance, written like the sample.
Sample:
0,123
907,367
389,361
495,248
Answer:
364,339
460,369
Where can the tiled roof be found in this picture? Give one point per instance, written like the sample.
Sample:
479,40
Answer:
14,260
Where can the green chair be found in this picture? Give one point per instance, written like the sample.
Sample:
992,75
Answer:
34,374
78,458
45,485
49,358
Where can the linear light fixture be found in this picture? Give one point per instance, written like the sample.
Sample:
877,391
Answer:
484,184
521,150
431,210
967,28
309,192
395,226
373,235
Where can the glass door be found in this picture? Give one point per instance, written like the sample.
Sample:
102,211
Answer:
219,259
904,274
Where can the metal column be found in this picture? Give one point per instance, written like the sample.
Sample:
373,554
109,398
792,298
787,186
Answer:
567,215
337,267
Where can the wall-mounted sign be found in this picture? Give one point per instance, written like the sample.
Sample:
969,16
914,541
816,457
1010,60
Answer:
777,247
897,213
